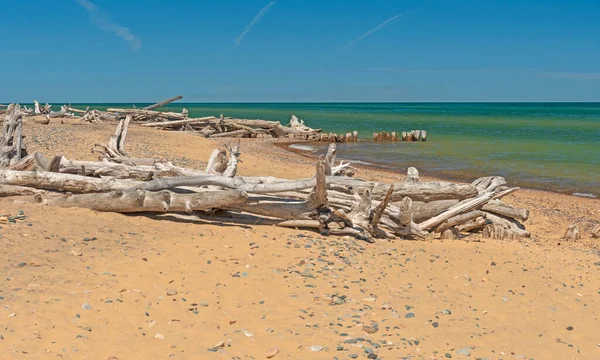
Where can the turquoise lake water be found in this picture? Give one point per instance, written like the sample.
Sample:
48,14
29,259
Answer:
552,146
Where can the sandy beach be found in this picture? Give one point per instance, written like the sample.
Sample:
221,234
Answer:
80,284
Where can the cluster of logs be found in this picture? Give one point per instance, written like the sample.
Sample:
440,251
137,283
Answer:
414,135
328,201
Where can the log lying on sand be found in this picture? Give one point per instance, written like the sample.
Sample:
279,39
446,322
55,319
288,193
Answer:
147,201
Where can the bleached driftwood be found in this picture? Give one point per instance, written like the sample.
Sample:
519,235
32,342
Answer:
596,231
572,233
459,220
147,201
11,139
163,103
500,208
512,229
217,163
412,175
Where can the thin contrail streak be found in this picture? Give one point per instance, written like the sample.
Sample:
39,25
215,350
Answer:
388,22
256,19
102,20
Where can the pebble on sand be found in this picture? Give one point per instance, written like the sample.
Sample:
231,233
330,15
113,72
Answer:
465,351
86,306
272,352
159,336
171,292
316,348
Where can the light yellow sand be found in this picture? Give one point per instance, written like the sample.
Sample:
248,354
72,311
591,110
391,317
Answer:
259,287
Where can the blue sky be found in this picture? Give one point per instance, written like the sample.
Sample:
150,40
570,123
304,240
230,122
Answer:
300,50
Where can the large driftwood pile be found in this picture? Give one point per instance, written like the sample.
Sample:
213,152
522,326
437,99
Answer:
336,205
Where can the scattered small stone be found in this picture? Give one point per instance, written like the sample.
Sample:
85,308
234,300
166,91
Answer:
409,315
316,348
448,355
272,352
465,351
569,328
171,292
435,324
159,336
352,356
21,264
372,356
76,252
86,306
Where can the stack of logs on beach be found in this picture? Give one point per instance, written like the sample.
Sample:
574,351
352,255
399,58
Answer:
414,135
327,202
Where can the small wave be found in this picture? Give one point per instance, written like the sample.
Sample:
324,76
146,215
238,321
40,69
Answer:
592,196
302,147
360,162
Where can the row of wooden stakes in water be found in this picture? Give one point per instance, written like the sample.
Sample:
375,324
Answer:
414,135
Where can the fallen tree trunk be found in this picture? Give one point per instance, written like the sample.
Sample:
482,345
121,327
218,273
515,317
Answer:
163,103
463,207
500,208
426,210
146,201
63,182
201,120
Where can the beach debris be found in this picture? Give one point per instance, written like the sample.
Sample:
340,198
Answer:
412,175
413,135
329,202
596,232
572,233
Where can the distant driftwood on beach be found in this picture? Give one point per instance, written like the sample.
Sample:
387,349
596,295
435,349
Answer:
331,201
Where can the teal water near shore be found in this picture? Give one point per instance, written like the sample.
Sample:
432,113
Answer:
550,146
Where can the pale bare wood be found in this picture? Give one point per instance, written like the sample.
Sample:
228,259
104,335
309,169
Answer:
425,210
282,208
163,103
12,190
500,208
515,229
459,220
147,114
25,164
379,210
406,226
217,163
234,158
462,207
572,233
146,201
200,120
450,234
412,175
475,224
63,182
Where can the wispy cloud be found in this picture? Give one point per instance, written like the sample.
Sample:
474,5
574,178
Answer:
102,20
573,75
255,20
445,71
570,75
384,24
